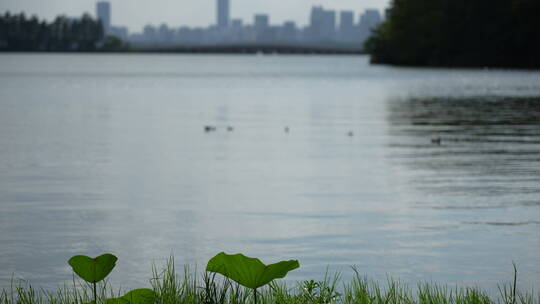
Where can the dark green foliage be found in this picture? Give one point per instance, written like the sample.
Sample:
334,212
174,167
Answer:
19,33
487,33
93,270
249,272
136,296
113,44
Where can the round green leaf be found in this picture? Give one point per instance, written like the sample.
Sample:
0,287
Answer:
93,270
140,296
116,301
249,272
136,296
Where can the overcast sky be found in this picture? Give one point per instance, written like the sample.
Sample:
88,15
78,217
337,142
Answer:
136,13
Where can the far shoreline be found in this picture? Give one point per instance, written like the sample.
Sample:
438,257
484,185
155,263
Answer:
217,49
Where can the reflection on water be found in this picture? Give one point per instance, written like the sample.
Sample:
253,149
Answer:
480,177
505,223
473,116
489,148
109,154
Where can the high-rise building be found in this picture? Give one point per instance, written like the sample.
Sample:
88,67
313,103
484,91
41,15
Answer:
346,26
261,21
164,33
370,19
235,30
150,33
261,25
288,31
223,13
103,13
322,24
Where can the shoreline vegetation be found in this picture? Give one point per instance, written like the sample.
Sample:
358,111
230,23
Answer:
19,33
207,288
458,33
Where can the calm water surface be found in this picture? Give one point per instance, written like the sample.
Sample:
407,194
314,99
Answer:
104,153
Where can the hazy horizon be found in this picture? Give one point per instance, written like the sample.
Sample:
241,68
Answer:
135,14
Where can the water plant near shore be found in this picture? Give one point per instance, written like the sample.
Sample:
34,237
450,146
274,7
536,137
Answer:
191,287
93,270
249,272
135,296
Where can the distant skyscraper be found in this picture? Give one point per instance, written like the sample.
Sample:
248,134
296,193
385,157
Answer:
370,19
288,31
261,21
322,24
326,27
329,24
150,33
346,20
346,26
103,13
261,24
222,13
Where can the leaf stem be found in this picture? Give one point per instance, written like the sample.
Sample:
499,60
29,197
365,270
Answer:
515,284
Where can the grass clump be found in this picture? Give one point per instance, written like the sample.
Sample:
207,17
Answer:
191,287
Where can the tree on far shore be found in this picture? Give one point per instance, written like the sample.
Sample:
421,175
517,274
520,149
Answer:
20,33
491,33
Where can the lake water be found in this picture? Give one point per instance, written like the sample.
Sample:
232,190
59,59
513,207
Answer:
107,153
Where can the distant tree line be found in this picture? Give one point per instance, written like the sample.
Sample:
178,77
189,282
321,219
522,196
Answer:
20,33
490,33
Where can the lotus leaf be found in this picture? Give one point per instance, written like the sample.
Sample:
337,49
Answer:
136,296
93,270
249,272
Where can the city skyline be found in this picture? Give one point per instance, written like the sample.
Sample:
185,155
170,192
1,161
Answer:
325,27
135,14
